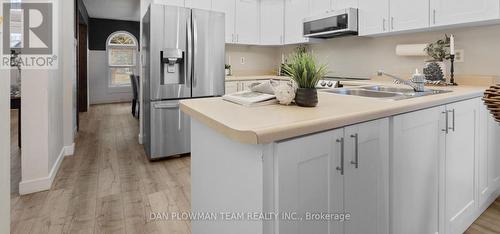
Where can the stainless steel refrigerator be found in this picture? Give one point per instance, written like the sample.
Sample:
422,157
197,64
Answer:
182,57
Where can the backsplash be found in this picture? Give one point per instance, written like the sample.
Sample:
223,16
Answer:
258,60
363,56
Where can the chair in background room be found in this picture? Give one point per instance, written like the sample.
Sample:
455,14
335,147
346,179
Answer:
134,80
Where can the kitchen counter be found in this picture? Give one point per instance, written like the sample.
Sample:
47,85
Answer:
259,77
266,124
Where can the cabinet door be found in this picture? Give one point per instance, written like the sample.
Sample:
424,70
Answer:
179,3
271,23
228,7
493,153
231,87
309,182
418,146
247,26
317,7
408,15
373,17
366,181
448,12
460,174
199,4
295,12
342,4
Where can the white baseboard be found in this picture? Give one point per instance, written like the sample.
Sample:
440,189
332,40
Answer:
69,150
45,183
140,139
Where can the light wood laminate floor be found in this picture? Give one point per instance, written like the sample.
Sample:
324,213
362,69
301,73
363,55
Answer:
109,186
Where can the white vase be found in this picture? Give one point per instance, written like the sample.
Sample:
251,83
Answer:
228,72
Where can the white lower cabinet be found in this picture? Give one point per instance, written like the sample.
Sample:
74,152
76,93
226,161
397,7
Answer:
417,139
342,171
489,159
232,87
434,169
460,165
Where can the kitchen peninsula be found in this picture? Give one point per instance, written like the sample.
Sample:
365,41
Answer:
434,156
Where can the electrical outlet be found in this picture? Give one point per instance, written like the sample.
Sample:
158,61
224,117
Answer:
242,60
459,56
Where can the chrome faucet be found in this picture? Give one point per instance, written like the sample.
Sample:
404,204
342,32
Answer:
417,82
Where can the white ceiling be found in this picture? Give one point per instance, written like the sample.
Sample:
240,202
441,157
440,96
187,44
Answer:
114,9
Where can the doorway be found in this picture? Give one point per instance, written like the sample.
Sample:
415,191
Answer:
82,61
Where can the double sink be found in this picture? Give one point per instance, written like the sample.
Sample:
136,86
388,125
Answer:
384,92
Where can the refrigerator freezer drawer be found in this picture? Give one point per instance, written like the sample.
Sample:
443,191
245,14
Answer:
170,130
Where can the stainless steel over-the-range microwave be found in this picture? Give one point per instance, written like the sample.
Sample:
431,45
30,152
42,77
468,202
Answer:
332,24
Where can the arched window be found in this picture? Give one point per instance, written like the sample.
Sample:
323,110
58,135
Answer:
121,50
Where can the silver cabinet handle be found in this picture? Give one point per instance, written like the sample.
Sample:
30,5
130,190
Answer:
392,23
341,167
434,16
446,129
356,151
453,122
383,24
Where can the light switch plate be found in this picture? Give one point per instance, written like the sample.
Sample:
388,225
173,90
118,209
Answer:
242,60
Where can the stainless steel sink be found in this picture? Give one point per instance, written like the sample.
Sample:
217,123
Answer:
363,93
384,92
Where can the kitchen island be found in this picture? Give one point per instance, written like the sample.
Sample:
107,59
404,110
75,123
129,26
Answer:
333,168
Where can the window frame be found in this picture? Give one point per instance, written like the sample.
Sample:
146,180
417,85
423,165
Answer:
110,67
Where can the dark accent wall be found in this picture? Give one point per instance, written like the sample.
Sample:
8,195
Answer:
100,29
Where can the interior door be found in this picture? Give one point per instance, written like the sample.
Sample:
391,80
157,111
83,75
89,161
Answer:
208,53
82,68
169,40
460,173
366,183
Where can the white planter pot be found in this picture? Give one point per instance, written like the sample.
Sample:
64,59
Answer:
228,72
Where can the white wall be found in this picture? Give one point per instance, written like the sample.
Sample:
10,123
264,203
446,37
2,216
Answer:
4,151
360,56
44,112
99,92
69,74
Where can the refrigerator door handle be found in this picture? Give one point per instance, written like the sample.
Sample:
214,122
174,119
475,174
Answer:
195,45
189,48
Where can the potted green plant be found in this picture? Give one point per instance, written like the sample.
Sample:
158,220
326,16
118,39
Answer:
302,69
227,68
439,51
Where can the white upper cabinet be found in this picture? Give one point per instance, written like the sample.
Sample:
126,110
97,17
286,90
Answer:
318,7
449,12
228,7
295,12
200,4
179,3
247,24
373,17
408,15
342,4
271,22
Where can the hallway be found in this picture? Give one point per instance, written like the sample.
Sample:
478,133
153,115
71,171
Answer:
108,186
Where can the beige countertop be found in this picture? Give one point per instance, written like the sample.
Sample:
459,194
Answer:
259,77
266,124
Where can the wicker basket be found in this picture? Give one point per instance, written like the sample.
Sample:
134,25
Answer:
492,101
